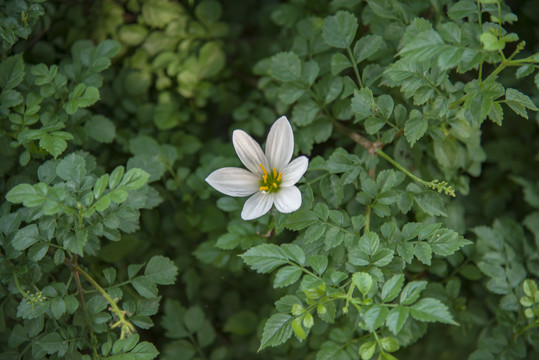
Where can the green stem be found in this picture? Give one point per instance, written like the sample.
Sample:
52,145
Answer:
19,289
367,219
401,168
126,326
356,70
434,184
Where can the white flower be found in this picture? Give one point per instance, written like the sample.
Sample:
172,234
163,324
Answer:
270,177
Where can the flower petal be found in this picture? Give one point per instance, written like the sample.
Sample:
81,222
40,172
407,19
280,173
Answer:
257,205
294,171
288,199
234,181
280,144
249,152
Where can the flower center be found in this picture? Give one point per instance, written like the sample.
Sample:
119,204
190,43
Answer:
270,181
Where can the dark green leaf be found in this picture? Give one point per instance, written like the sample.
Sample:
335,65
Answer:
431,310
277,330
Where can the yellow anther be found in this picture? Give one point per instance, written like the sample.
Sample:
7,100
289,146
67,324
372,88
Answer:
274,173
275,185
280,176
264,170
263,188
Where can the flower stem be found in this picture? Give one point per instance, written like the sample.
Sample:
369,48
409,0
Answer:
434,184
126,326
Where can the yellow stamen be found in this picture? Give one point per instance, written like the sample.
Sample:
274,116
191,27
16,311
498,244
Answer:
274,173
264,188
265,177
275,185
264,170
280,176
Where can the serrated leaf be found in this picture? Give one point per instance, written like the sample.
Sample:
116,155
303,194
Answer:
367,46
415,127
339,30
285,66
286,276
264,258
300,219
447,241
397,318
25,237
432,310
392,287
145,287
277,330
161,270
54,145
430,202
11,72
375,317
411,292
363,281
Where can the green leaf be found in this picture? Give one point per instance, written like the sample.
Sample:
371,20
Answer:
367,46
264,258
392,287
384,104
310,71
298,329
11,72
194,318
339,62
519,102
277,330
447,241
423,45
286,276
100,129
363,103
305,112
72,168
134,179
375,317
415,127
430,202
300,219
319,263
26,237
366,350
339,30
491,42
431,310
291,91
396,319
208,11
211,60
423,253
389,344
450,57
26,194
411,292
462,9
285,66
158,13
53,343
132,34
145,287
161,270
363,281
54,145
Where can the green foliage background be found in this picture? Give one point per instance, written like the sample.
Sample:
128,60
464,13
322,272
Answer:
418,237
